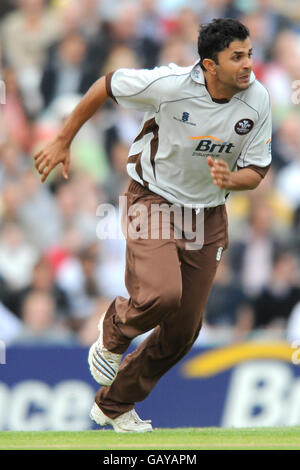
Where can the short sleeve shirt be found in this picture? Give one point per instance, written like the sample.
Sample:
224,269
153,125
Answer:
183,125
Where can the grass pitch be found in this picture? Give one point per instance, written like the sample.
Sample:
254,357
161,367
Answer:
275,438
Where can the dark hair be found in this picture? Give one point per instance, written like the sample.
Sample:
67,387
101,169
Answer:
216,36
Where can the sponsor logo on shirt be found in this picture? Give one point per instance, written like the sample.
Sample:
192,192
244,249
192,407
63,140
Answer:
210,145
185,118
243,126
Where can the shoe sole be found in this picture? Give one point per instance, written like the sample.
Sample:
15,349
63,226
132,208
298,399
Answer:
99,417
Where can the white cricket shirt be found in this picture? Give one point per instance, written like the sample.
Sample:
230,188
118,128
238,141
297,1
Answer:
182,125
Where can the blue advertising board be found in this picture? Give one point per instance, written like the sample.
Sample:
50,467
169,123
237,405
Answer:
240,385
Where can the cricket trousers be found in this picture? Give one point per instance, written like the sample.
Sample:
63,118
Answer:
168,281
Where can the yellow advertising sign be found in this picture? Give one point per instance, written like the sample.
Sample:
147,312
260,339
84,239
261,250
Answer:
218,360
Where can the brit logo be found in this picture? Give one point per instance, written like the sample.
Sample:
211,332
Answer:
185,118
243,126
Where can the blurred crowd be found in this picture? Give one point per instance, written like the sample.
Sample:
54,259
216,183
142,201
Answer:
56,274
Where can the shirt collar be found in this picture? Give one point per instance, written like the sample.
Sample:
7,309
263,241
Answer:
197,74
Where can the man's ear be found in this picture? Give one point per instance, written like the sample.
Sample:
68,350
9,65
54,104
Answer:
210,66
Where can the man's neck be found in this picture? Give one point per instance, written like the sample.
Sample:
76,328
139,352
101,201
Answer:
217,92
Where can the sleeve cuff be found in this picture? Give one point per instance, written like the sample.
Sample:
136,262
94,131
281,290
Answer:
262,171
108,78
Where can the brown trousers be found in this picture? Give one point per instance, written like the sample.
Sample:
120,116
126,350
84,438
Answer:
168,286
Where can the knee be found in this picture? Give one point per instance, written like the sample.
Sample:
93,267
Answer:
168,299
164,298
185,336
155,308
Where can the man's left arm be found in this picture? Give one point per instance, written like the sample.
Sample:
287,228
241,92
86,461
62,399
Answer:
242,180
254,160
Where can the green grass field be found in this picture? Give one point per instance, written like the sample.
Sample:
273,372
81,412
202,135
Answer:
279,438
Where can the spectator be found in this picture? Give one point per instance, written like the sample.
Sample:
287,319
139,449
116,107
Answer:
240,206
125,31
81,16
286,142
177,51
252,255
43,281
265,23
260,37
219,9
11,198
150,21
150,30
273,306
76,204
67,73
38,212
275,20
288,178
69,247
227,304
40,326
17,257
14,122
282,70
10,326
77,276
27,32
67,201
6,6
13,163
118,177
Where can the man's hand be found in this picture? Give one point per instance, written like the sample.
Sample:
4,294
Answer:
242,180
58,150
50,156
220,173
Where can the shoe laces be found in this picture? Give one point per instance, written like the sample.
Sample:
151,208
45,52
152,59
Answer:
112,358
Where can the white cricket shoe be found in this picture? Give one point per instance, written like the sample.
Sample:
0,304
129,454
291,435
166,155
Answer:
127,422
104,365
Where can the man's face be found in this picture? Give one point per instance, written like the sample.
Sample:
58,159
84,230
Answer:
235,65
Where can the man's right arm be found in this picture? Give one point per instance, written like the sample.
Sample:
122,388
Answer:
58,150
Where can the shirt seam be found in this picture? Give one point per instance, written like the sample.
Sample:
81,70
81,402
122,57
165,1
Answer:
159,78
245,102
254,138
180,99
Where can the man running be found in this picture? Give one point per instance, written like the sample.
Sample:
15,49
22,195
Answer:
206,132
